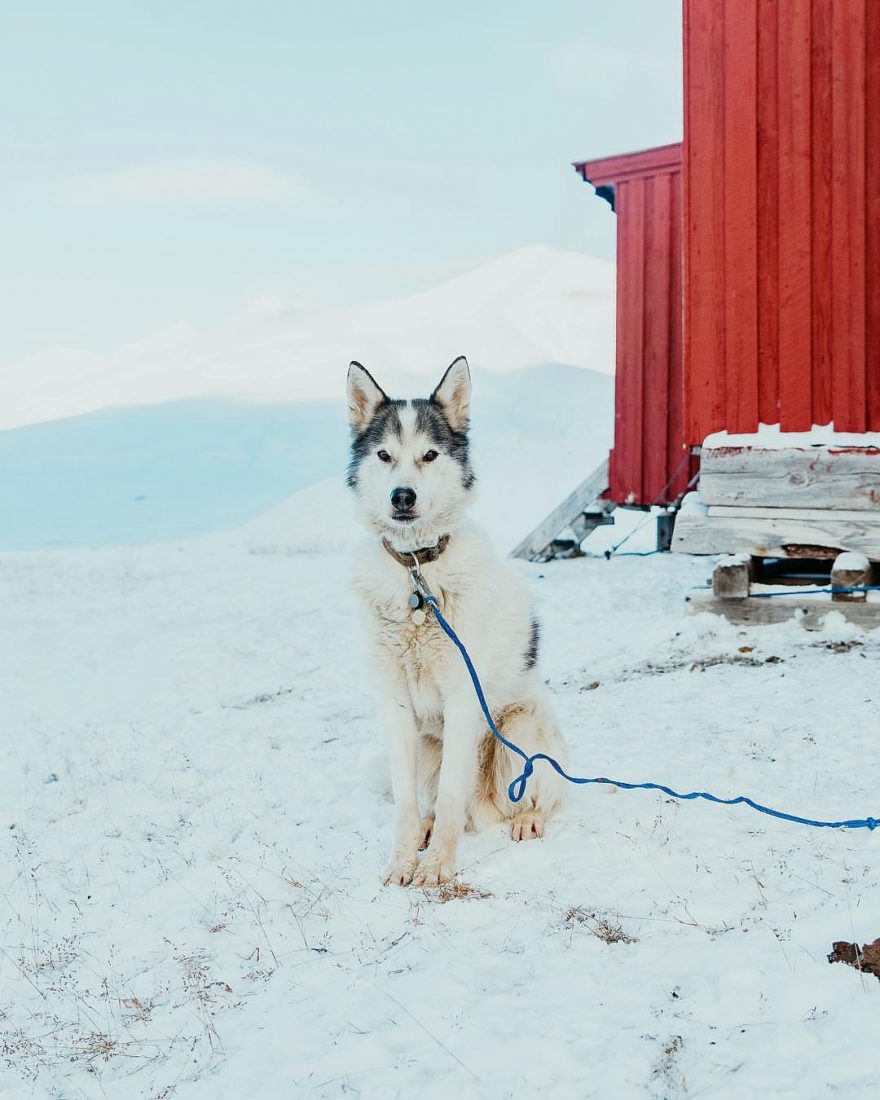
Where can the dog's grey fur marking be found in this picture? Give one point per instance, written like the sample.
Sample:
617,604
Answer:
385,420
431,420
534,642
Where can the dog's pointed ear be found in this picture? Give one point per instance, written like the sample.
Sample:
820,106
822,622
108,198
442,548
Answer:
364,396
453,395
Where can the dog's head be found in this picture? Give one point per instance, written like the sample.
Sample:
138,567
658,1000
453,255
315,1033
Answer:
410,466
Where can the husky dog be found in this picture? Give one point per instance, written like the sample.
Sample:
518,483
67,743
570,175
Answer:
411,473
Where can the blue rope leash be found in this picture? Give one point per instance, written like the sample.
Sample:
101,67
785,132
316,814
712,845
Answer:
815,591
517,788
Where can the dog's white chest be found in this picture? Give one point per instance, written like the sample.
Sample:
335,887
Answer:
420,652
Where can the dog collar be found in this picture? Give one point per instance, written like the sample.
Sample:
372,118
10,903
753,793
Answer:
422,556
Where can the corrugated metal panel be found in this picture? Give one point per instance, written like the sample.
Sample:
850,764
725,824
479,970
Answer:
649,463
782,214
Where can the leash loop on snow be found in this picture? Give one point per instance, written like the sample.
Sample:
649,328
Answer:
517,788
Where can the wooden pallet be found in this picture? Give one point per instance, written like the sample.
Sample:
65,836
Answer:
811,610
777,536
735,595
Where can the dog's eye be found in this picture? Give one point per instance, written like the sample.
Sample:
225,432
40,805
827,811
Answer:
383,456
429,456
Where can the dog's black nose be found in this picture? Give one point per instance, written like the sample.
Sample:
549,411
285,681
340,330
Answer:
403,500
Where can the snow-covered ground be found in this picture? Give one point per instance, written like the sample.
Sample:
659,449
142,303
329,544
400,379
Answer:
195,822
194,817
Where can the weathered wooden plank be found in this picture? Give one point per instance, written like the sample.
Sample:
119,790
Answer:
811,610
586,522
818,514
774,538
744,459
586,494
810,478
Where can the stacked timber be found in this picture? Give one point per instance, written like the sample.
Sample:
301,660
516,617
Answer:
808,502
775,510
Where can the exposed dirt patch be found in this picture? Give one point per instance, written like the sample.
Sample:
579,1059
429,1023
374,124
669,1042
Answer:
839,647
740,659
665,1073
865,958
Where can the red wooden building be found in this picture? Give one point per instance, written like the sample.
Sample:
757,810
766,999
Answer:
749,256
650,460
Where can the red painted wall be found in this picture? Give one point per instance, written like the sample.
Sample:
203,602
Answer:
649,463
781,215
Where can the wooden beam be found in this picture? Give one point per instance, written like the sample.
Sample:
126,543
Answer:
811,610
818,514
775,538
815,477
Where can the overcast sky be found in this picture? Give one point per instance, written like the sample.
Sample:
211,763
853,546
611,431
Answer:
171,160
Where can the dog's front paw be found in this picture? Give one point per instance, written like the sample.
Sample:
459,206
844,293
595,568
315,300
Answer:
434,870
527,825
400,871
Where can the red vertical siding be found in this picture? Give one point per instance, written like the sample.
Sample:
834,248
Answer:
782,214
739,204
794,225
767,220
820,250
629,203
848,213
872,218
649,462
655,354
703,168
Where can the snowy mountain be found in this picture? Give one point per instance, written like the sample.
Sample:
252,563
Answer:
534,306
174,468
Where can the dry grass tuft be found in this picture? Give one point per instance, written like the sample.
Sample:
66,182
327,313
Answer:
96,1045
136,1009
601,927
455,891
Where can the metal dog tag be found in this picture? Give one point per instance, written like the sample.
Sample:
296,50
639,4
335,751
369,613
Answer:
418,616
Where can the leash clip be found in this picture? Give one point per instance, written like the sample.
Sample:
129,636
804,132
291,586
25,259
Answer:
420,585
